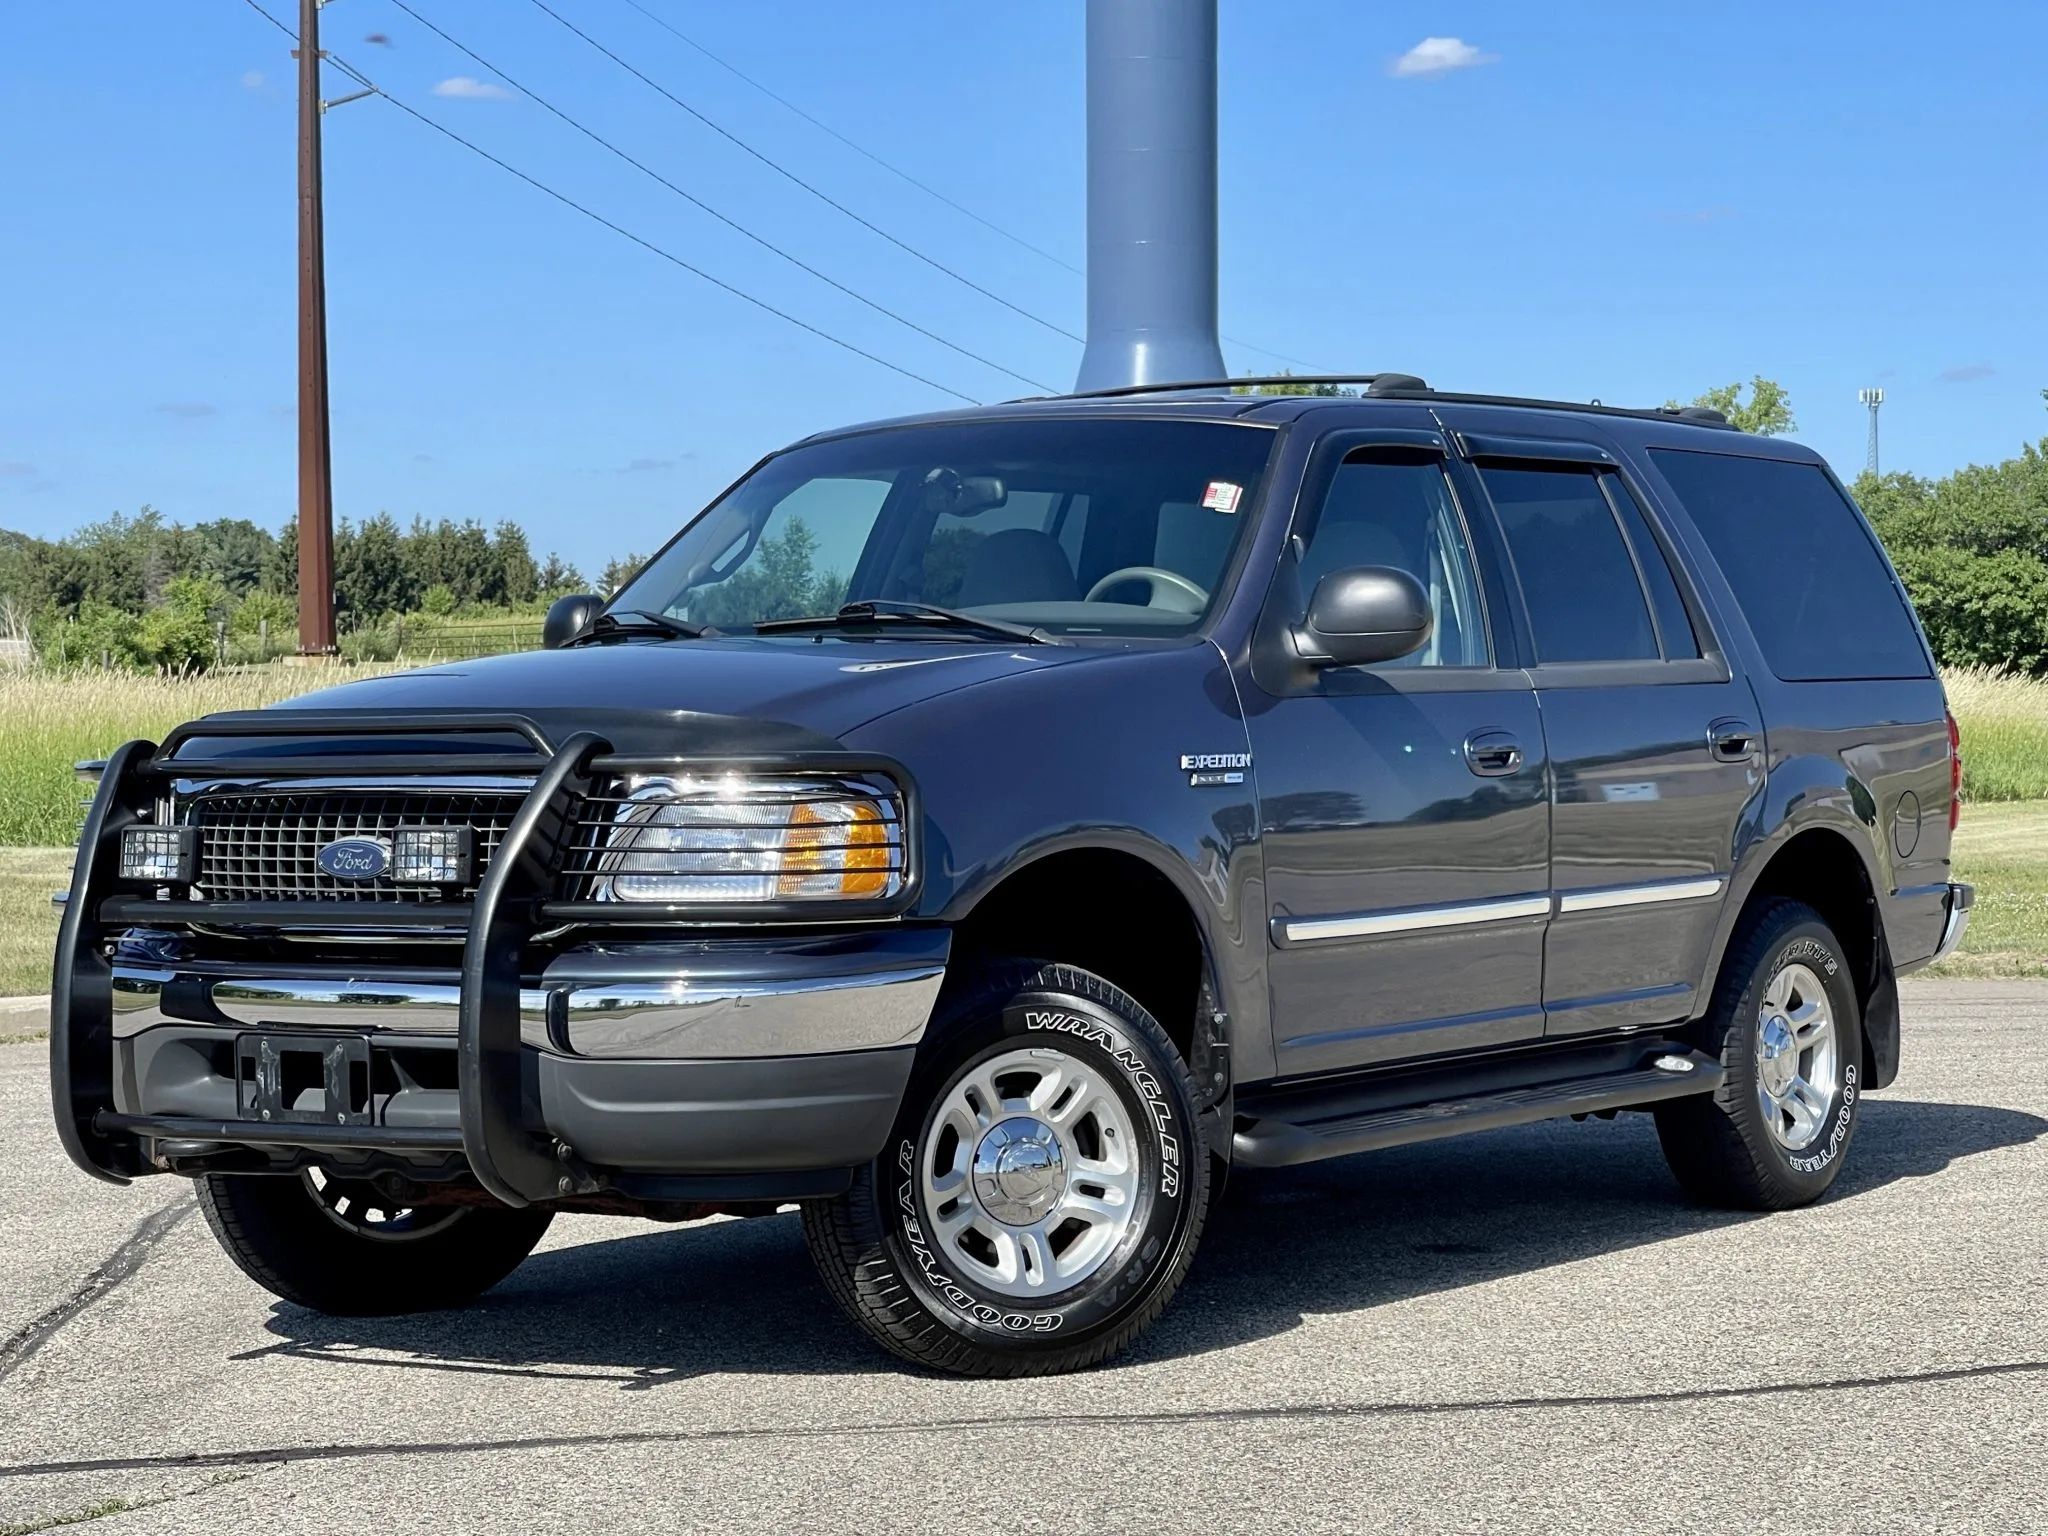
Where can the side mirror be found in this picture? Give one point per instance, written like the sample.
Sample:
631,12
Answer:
1363,614
567,618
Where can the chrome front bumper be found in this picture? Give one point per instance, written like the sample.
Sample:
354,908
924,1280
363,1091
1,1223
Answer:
699,1000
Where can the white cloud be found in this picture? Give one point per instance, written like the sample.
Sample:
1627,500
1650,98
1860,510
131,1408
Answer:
252,80
464,88
1438,56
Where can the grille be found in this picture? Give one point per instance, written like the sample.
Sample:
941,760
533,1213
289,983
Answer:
265,847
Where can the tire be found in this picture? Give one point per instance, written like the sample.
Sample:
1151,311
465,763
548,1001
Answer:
1079,1227
1737,1147
337,1247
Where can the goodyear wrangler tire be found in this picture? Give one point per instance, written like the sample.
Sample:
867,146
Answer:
1040,1198
1788,1028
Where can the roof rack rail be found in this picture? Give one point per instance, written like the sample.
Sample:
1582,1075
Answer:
1406,386
1375,383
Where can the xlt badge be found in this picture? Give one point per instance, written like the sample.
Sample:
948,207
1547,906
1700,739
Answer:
1205,769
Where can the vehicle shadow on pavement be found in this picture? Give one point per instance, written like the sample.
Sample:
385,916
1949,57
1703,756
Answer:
739,1296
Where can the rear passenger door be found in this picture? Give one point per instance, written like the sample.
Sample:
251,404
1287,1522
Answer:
1655,748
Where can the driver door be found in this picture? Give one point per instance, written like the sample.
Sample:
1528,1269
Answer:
1404,806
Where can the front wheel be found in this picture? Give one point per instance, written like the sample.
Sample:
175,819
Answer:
1788,1029
1041,1196
337,1246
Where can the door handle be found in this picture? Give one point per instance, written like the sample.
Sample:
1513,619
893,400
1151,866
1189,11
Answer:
1493,754
1732,741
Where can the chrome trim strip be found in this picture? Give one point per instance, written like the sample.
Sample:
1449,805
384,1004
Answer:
1961,898
148,996
1360,925
718,1016
717,1019
1602,898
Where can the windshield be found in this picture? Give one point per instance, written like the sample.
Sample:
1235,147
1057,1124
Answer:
1114,527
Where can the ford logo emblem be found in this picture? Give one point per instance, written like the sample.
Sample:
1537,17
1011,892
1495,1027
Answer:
353,858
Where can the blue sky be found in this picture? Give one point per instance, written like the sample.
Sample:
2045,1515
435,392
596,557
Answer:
1617,200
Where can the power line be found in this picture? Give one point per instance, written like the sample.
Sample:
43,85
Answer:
824,127
698,202
618,229
791,176
897,171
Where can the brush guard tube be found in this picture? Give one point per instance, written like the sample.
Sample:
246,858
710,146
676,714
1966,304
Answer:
501,1082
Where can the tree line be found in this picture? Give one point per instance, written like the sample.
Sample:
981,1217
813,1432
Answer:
143,590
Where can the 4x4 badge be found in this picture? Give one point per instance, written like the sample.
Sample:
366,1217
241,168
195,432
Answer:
1206,768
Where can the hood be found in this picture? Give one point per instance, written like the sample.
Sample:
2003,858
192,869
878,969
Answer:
764,692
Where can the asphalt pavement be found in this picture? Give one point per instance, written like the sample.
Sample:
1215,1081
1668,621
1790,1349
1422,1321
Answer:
1523,1330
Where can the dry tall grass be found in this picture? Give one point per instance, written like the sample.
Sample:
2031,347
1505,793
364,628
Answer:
2004,722
50,720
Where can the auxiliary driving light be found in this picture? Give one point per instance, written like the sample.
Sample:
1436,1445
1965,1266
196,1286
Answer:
158,855
432,855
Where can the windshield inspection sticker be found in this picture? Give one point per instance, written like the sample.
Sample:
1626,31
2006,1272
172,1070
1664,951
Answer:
1222,496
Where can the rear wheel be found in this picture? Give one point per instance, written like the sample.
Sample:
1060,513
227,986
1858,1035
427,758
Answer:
338,1246
1788,1029
1040,1199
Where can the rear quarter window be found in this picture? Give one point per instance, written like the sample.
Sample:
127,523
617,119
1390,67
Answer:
1807,571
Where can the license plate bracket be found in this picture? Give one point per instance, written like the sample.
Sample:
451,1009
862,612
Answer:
304,1079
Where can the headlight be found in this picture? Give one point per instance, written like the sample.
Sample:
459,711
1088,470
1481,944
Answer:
731,838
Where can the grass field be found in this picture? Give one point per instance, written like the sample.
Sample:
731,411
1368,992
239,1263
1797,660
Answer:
50,720
2004,724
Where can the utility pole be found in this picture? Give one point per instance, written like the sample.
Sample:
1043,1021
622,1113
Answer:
316,477
1873,398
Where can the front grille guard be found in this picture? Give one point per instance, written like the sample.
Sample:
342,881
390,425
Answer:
519,898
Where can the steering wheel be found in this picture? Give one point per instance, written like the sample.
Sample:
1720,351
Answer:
1162,583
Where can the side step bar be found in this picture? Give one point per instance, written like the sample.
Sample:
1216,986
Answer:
1672,1074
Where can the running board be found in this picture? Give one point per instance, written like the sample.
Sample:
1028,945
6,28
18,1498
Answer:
1671,1074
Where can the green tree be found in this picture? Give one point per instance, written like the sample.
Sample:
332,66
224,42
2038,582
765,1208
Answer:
233,551
617,573
1972,549
371,580
177,633
1767,412
281,570
518,576
1326,390
558,578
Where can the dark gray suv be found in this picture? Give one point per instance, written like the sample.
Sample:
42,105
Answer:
985,830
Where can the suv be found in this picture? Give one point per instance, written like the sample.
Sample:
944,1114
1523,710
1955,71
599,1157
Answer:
984,830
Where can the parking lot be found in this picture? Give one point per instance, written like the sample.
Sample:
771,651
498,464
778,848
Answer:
1525,1329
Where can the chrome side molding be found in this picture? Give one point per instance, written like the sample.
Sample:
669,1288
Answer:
1507,909
1358,925
1601,898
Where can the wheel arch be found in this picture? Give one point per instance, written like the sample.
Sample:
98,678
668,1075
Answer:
1826,860
1132,913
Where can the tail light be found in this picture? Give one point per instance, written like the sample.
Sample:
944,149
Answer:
1955,771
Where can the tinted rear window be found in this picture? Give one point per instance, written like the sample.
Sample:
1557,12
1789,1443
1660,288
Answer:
1806,570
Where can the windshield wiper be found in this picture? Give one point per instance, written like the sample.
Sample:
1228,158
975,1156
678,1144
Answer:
635,621
889,610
